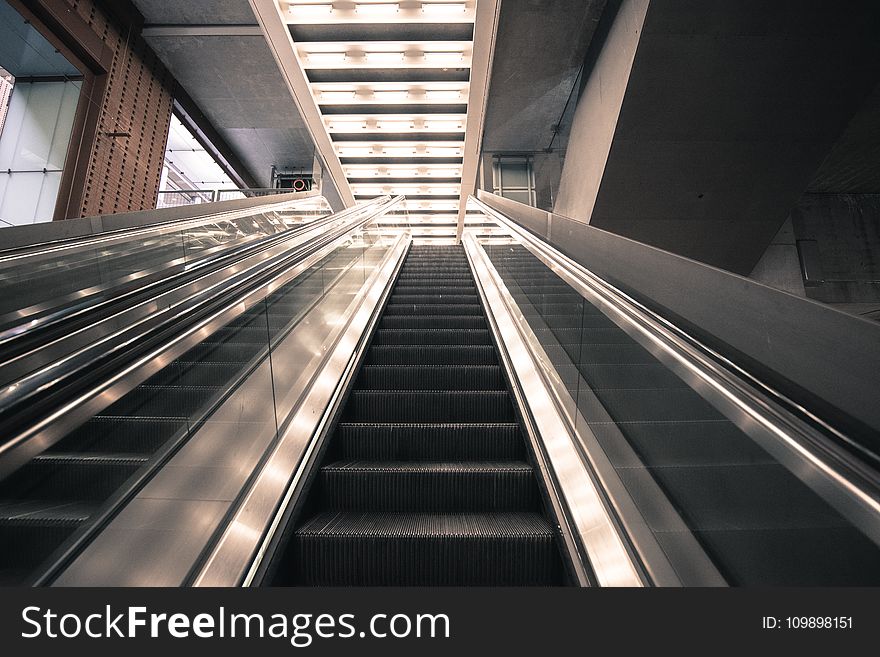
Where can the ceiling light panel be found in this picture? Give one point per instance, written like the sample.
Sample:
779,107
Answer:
323,12
414,150
380,54
373,123
391,93
417,170
383,160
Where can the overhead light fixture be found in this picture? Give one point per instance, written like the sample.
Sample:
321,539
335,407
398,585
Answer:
355,151
399,151
337,96
384,57
444,173
321,10
444,7
443,94
442,191
450,126
347,125
397,126
388,96
325,58
443,150
444,57
376,8
394,172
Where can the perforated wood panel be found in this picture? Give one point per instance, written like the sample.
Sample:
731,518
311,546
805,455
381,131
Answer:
126,161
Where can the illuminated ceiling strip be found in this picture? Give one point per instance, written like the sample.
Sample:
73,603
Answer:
324,12
485,33
278,37
440,54
416,170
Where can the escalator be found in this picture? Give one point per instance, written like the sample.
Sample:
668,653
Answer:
378,413
56,496
759,524
54,503
426,479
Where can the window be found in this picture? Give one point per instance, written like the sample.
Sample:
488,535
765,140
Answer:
513,178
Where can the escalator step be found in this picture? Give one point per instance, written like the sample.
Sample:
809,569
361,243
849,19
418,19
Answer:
475,486
438,441
406,549
435,377
431,355
428,406
224,352
59,476
443,287
432,336
432,321
122,435
164,401
30,530
196,374
428,299
433,309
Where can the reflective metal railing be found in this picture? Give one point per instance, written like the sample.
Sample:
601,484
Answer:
206,395
709,478
39,279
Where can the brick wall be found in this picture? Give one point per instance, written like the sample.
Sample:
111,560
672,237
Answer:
124,171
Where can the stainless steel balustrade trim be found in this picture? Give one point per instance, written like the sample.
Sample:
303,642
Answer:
589,527
35,438
239,553
78,302
692,565
761,413
84,562
70,244
100,327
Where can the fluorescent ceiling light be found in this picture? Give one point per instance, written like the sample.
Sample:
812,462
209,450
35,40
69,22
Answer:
395,125
384,57
444,7
444,173
376,8
347,125
443,125
444,191
311,10
355,151
326,58
337,96
443,94
444,57
443,150
398,150
390,95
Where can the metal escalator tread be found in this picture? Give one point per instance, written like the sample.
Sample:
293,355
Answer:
47,499
426,479
425,549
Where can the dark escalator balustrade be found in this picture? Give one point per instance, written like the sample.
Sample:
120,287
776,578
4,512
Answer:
426,479
48,504
758,523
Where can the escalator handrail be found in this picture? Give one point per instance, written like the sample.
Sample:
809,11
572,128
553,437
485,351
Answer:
91,304
158,227
802,442
64,394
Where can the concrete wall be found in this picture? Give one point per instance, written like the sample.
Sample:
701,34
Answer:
598,109
702,123
780,267
846,230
